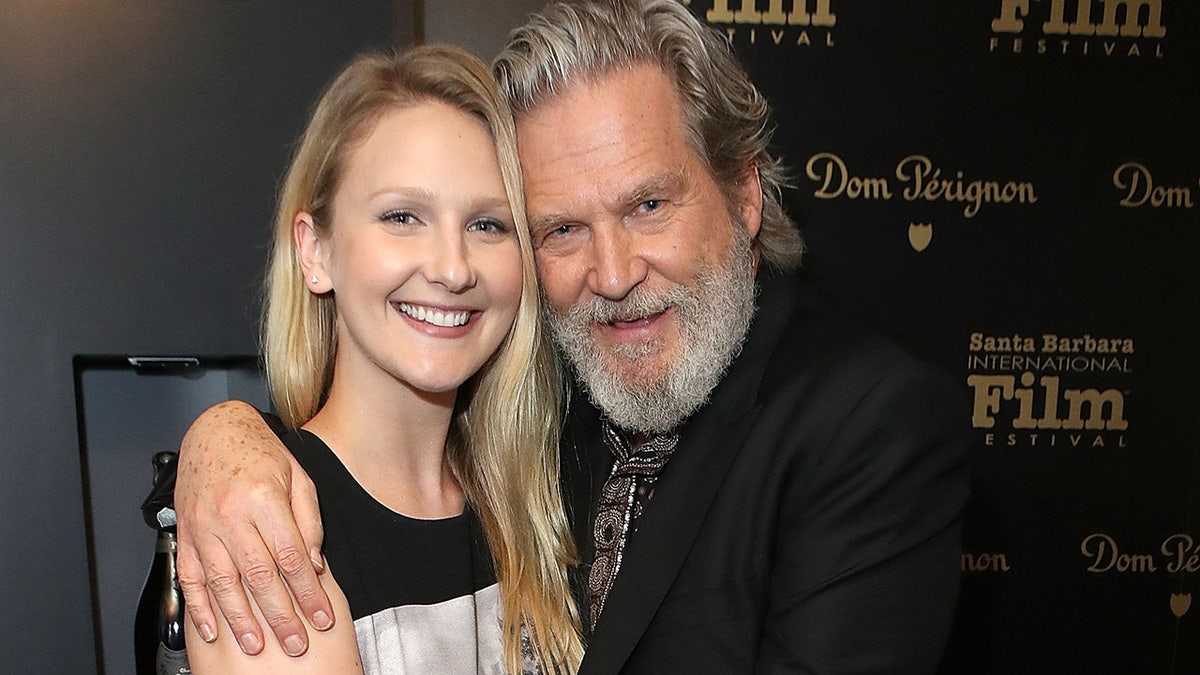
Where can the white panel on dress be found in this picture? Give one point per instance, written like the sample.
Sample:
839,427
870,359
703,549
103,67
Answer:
439,638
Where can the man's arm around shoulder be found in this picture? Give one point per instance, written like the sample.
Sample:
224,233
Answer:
247,512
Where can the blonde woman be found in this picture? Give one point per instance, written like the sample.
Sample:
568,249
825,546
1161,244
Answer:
403,347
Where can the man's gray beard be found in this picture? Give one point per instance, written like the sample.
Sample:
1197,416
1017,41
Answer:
713,316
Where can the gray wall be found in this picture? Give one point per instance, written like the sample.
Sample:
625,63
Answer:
140,144
480,25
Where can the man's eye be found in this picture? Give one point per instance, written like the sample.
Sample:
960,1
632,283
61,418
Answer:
553,234
558,231
651,204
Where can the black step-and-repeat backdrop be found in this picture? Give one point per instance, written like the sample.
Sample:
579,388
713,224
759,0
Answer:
1012,187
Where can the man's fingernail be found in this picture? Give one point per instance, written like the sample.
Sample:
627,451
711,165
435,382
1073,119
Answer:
250,643
318,560
206,632
321,620
293,645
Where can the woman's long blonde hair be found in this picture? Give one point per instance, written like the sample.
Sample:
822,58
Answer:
503,439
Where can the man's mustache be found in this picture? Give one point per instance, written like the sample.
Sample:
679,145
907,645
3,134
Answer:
640,303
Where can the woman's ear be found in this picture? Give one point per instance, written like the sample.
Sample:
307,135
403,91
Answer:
312,254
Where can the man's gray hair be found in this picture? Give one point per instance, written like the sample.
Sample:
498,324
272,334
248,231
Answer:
725,115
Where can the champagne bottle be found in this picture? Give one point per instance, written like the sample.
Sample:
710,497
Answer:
158,625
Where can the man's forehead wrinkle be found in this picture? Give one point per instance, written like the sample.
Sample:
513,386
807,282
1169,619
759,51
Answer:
582,150
626,190
655,185
549,160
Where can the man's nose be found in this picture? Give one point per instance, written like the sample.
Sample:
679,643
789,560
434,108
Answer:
448,261
617,263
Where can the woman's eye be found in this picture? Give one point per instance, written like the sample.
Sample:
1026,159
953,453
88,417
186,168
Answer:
399,217
487,225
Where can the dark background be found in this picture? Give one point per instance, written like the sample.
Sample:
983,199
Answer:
904,78
141,143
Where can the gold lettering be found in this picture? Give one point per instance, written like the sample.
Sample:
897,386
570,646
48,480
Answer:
1184,553
775,14
984,562
835,180
988,391
1086,408
1050,407
1024,396
822,16
1095,402
1011,12
1132,27
1057,24
1083,19
1127,18
1103,554
1102,550
720,12
926,182
834,170
1138,184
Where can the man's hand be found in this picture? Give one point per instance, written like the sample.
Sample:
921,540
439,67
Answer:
247,511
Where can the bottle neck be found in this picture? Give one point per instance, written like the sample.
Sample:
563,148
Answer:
166,542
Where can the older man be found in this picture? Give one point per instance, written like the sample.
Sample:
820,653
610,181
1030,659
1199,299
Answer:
755,485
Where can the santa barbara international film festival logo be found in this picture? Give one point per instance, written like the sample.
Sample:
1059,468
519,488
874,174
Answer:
1050,390
777,23
1092,29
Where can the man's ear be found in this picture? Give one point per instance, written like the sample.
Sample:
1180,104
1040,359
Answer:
312,254
750,189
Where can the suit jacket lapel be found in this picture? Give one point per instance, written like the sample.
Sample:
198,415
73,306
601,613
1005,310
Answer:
708,443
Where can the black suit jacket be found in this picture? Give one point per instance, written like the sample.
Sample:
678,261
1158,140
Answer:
808,521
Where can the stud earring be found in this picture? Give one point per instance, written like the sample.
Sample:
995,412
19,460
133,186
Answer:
315,279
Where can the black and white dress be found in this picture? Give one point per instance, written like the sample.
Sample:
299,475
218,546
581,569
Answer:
423,593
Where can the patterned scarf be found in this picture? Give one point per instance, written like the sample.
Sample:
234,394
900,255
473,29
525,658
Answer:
638,462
